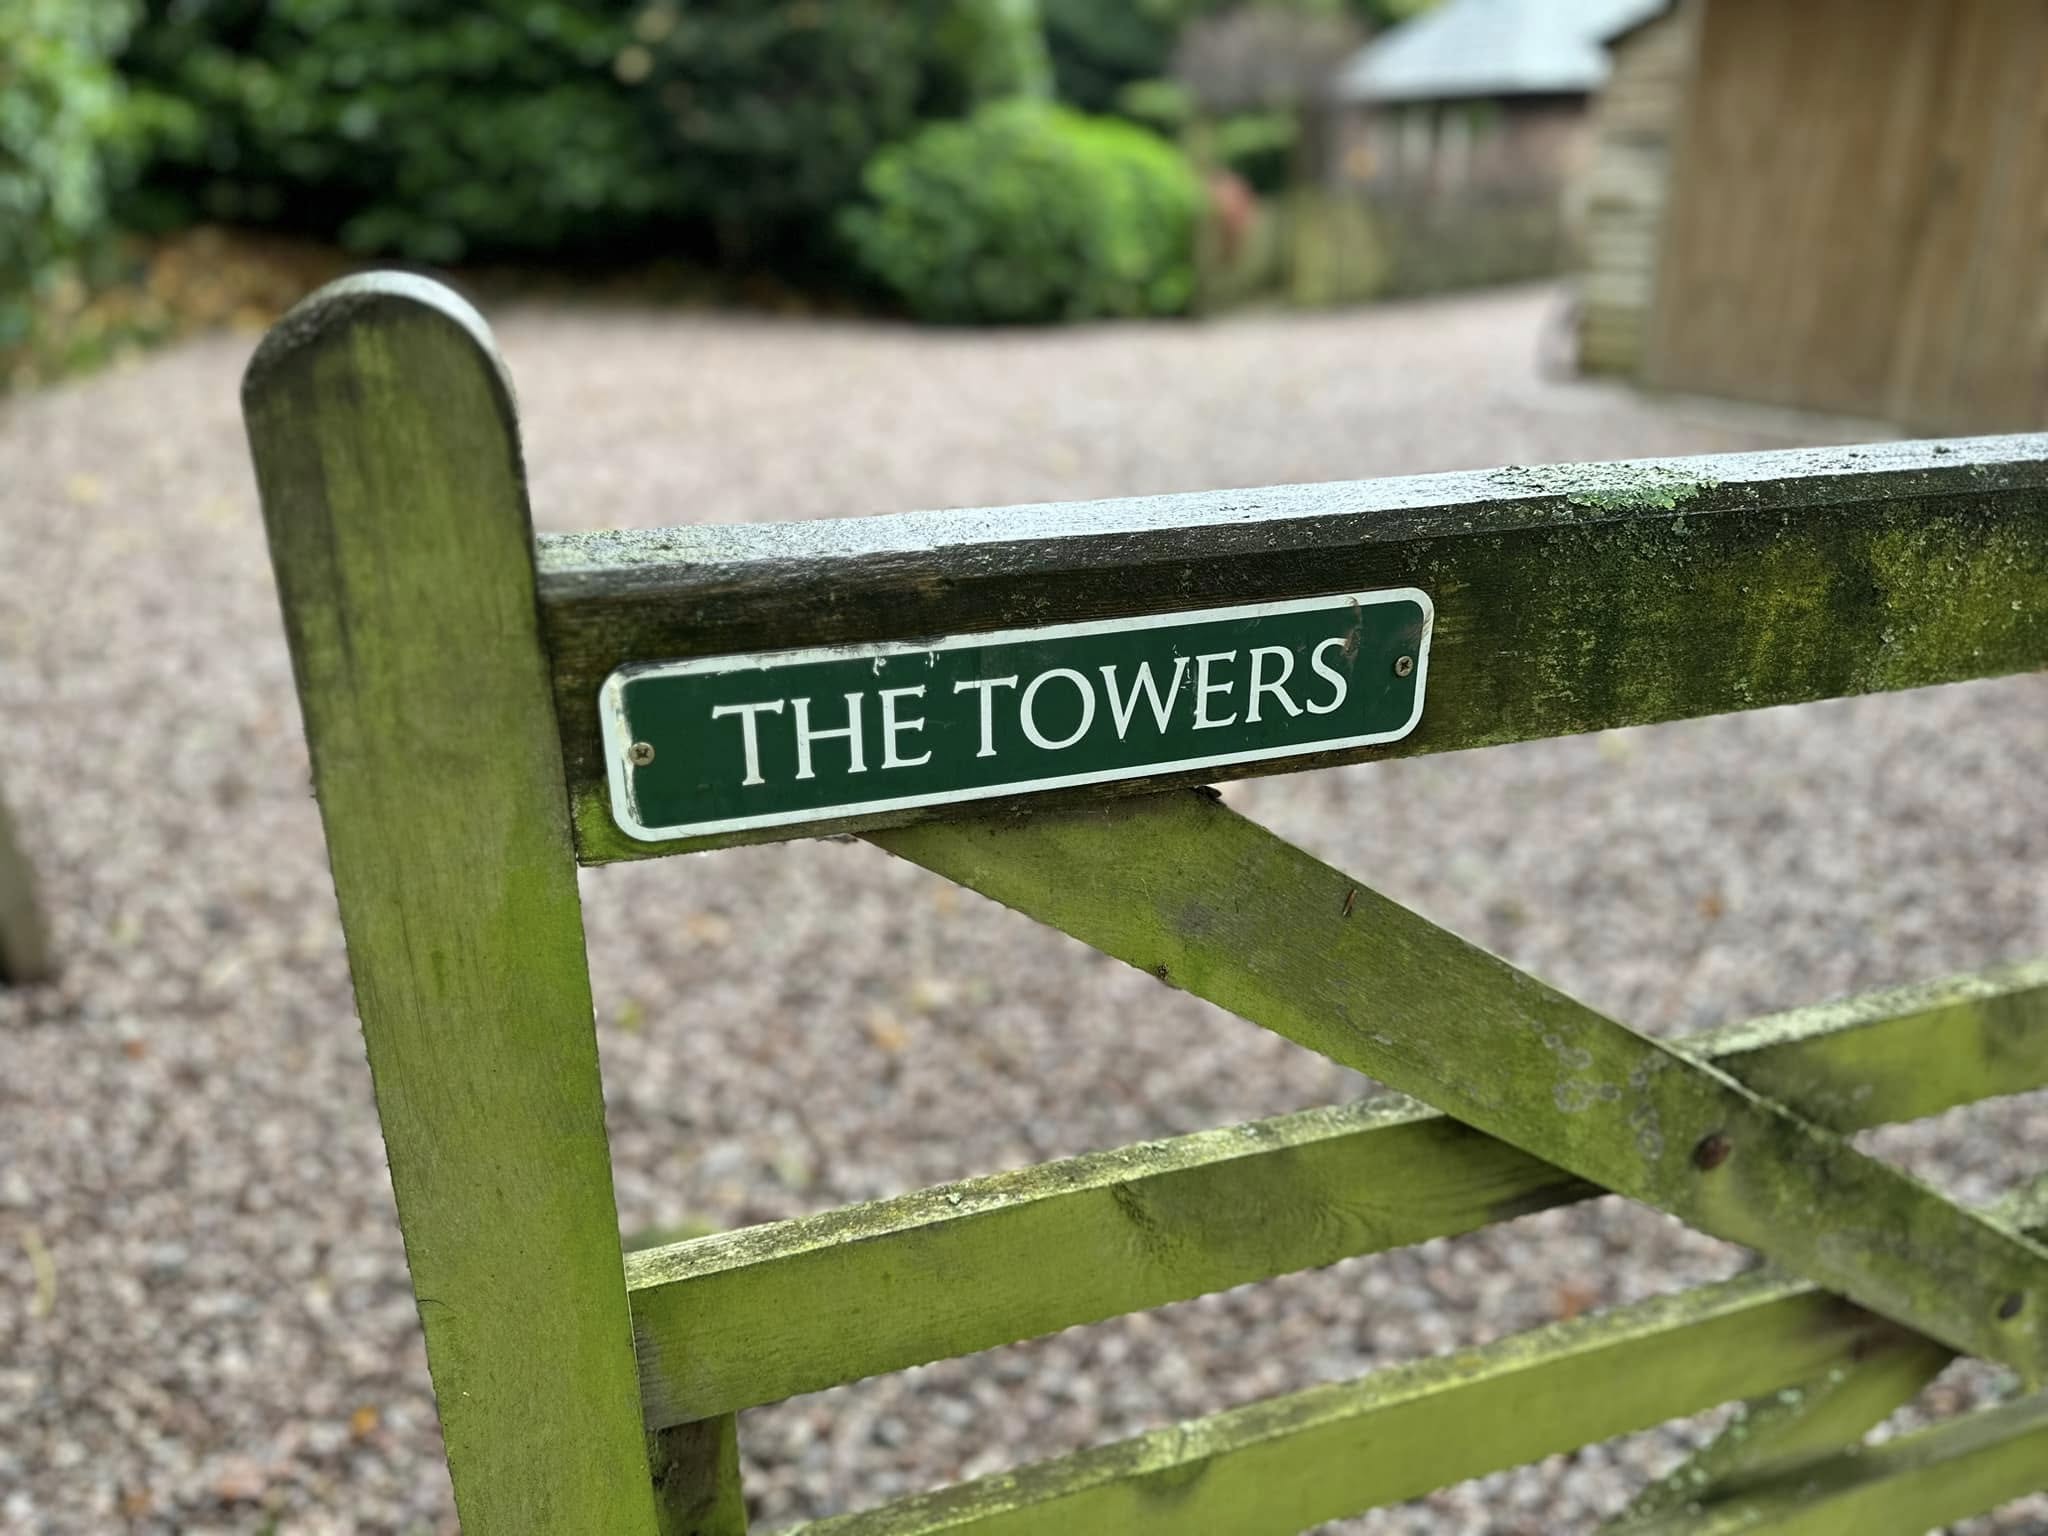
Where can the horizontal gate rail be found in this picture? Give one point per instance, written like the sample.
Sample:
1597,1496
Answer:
1780,1431
1568,599
1906,1487
742,1318
1288,1463
1184,887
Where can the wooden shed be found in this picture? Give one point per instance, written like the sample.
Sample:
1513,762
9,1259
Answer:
1621,198
1855,211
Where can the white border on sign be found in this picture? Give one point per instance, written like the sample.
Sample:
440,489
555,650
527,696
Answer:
617,739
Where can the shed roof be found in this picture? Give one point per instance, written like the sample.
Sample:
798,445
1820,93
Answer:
1481,48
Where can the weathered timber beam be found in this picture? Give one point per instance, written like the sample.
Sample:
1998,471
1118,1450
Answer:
1288,1464
1917,1483
1771,1435
25,955
1183,887
747,1317
387,458
1568,599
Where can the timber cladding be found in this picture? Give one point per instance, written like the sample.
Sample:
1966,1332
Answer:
1859,217
449,672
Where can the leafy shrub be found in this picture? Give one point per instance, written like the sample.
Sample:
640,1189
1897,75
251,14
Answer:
1030,212
1098,47
1259,146
555,127
65,136
401,125
772,109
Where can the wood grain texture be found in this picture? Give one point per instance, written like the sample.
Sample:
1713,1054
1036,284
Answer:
388,461
697,1478
1890,267
1773,1435
1917,1483
25,955
1183,887
1569,598
1286,1464
740,1318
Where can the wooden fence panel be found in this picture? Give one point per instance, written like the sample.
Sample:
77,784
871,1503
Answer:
1857,212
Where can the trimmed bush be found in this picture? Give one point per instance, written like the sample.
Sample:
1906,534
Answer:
401,125
772,109
65,136
1030,212
557,127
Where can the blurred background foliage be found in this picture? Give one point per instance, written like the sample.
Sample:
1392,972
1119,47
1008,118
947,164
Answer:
67,142
1028,211
879,150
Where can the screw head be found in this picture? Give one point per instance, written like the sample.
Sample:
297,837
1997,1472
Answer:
1712,1152
640,754
1403,665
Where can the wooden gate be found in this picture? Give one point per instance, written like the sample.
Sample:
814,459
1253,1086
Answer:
463,693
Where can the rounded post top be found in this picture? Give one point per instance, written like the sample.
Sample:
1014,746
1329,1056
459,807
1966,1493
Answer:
329,311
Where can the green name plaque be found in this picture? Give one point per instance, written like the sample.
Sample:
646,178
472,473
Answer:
734,743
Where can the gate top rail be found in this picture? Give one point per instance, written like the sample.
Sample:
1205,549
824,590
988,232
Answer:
1568,598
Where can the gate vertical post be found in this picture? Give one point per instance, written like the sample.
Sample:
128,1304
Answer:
387,456
24,934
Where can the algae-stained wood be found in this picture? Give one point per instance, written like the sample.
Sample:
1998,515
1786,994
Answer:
1287,1464
1568,598
696,1470
24,932
741,1318
1181,886
1917,1483
1774,1435
388,461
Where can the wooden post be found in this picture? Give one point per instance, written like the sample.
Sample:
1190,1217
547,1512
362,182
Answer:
697,1477
24,936
387,456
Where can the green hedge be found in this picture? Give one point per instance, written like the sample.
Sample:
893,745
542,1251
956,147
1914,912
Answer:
1030,212
66,137
401,126
771,110
555,127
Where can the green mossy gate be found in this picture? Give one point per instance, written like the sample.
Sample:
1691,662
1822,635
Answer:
450,674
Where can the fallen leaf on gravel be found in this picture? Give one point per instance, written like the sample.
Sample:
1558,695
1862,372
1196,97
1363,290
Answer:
712,928
885,1030
239,1481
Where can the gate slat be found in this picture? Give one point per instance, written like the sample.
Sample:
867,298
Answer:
748,1317
1287,1464
1917,1483
1212,903
1772,1433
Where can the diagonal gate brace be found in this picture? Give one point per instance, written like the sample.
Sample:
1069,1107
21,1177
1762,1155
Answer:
1212,903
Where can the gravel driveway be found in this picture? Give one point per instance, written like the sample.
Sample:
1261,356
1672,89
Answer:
204,1317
